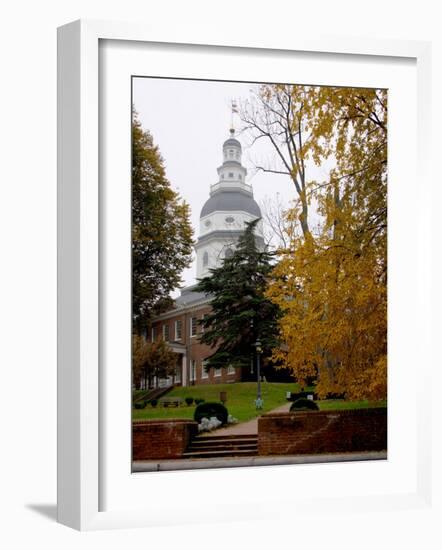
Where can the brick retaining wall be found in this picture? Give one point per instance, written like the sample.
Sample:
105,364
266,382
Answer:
161,439
322,432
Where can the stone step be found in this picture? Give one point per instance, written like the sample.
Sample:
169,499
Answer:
216,448
224,437
224,442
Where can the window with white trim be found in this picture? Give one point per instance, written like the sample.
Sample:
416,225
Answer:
193,326
166,333
178,329
218,371
204,371
154,334
230,369
193,370
203,317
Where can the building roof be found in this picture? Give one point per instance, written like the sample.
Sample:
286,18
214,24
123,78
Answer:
232,141
188,297
231,201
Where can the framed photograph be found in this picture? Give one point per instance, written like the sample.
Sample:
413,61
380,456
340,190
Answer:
227,346
238,305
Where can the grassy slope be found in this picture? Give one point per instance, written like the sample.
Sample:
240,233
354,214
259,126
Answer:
339,404
240,400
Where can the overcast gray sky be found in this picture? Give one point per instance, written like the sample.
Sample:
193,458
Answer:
189,121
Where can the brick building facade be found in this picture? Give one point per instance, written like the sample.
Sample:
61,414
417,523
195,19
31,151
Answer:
180,329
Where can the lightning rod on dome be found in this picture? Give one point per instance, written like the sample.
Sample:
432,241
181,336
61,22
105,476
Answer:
234,109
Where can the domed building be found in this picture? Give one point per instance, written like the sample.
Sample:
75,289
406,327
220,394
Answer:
225,213
222,220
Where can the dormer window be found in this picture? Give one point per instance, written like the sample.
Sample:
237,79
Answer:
231,153
230,219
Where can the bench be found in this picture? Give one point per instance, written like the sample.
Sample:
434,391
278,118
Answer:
171,401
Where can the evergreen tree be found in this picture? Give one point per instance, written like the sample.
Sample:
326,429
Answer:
161,231
241,314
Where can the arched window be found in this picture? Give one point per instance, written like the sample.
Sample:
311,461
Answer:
205,259
228,253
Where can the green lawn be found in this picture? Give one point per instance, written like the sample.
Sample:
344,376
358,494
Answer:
340,404
137,393
240,400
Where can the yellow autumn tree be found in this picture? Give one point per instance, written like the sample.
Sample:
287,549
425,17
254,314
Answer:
151,360
331,284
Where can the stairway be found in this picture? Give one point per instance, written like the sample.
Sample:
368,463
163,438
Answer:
222,446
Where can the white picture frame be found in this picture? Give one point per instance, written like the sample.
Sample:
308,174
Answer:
80,396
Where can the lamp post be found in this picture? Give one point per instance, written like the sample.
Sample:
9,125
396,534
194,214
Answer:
251,357
259,402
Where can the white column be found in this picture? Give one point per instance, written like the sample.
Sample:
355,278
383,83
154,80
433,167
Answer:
184,370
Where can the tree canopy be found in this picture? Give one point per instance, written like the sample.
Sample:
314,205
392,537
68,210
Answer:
151,359
161,230
331,282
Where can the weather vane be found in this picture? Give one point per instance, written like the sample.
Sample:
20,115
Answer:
234,109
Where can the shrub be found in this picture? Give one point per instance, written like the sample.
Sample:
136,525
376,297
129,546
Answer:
140,404
154,402
335,395
188,400
301,394
303,404
207,410
209,424
199,400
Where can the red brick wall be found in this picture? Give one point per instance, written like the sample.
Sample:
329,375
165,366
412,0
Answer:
322,432
161,439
